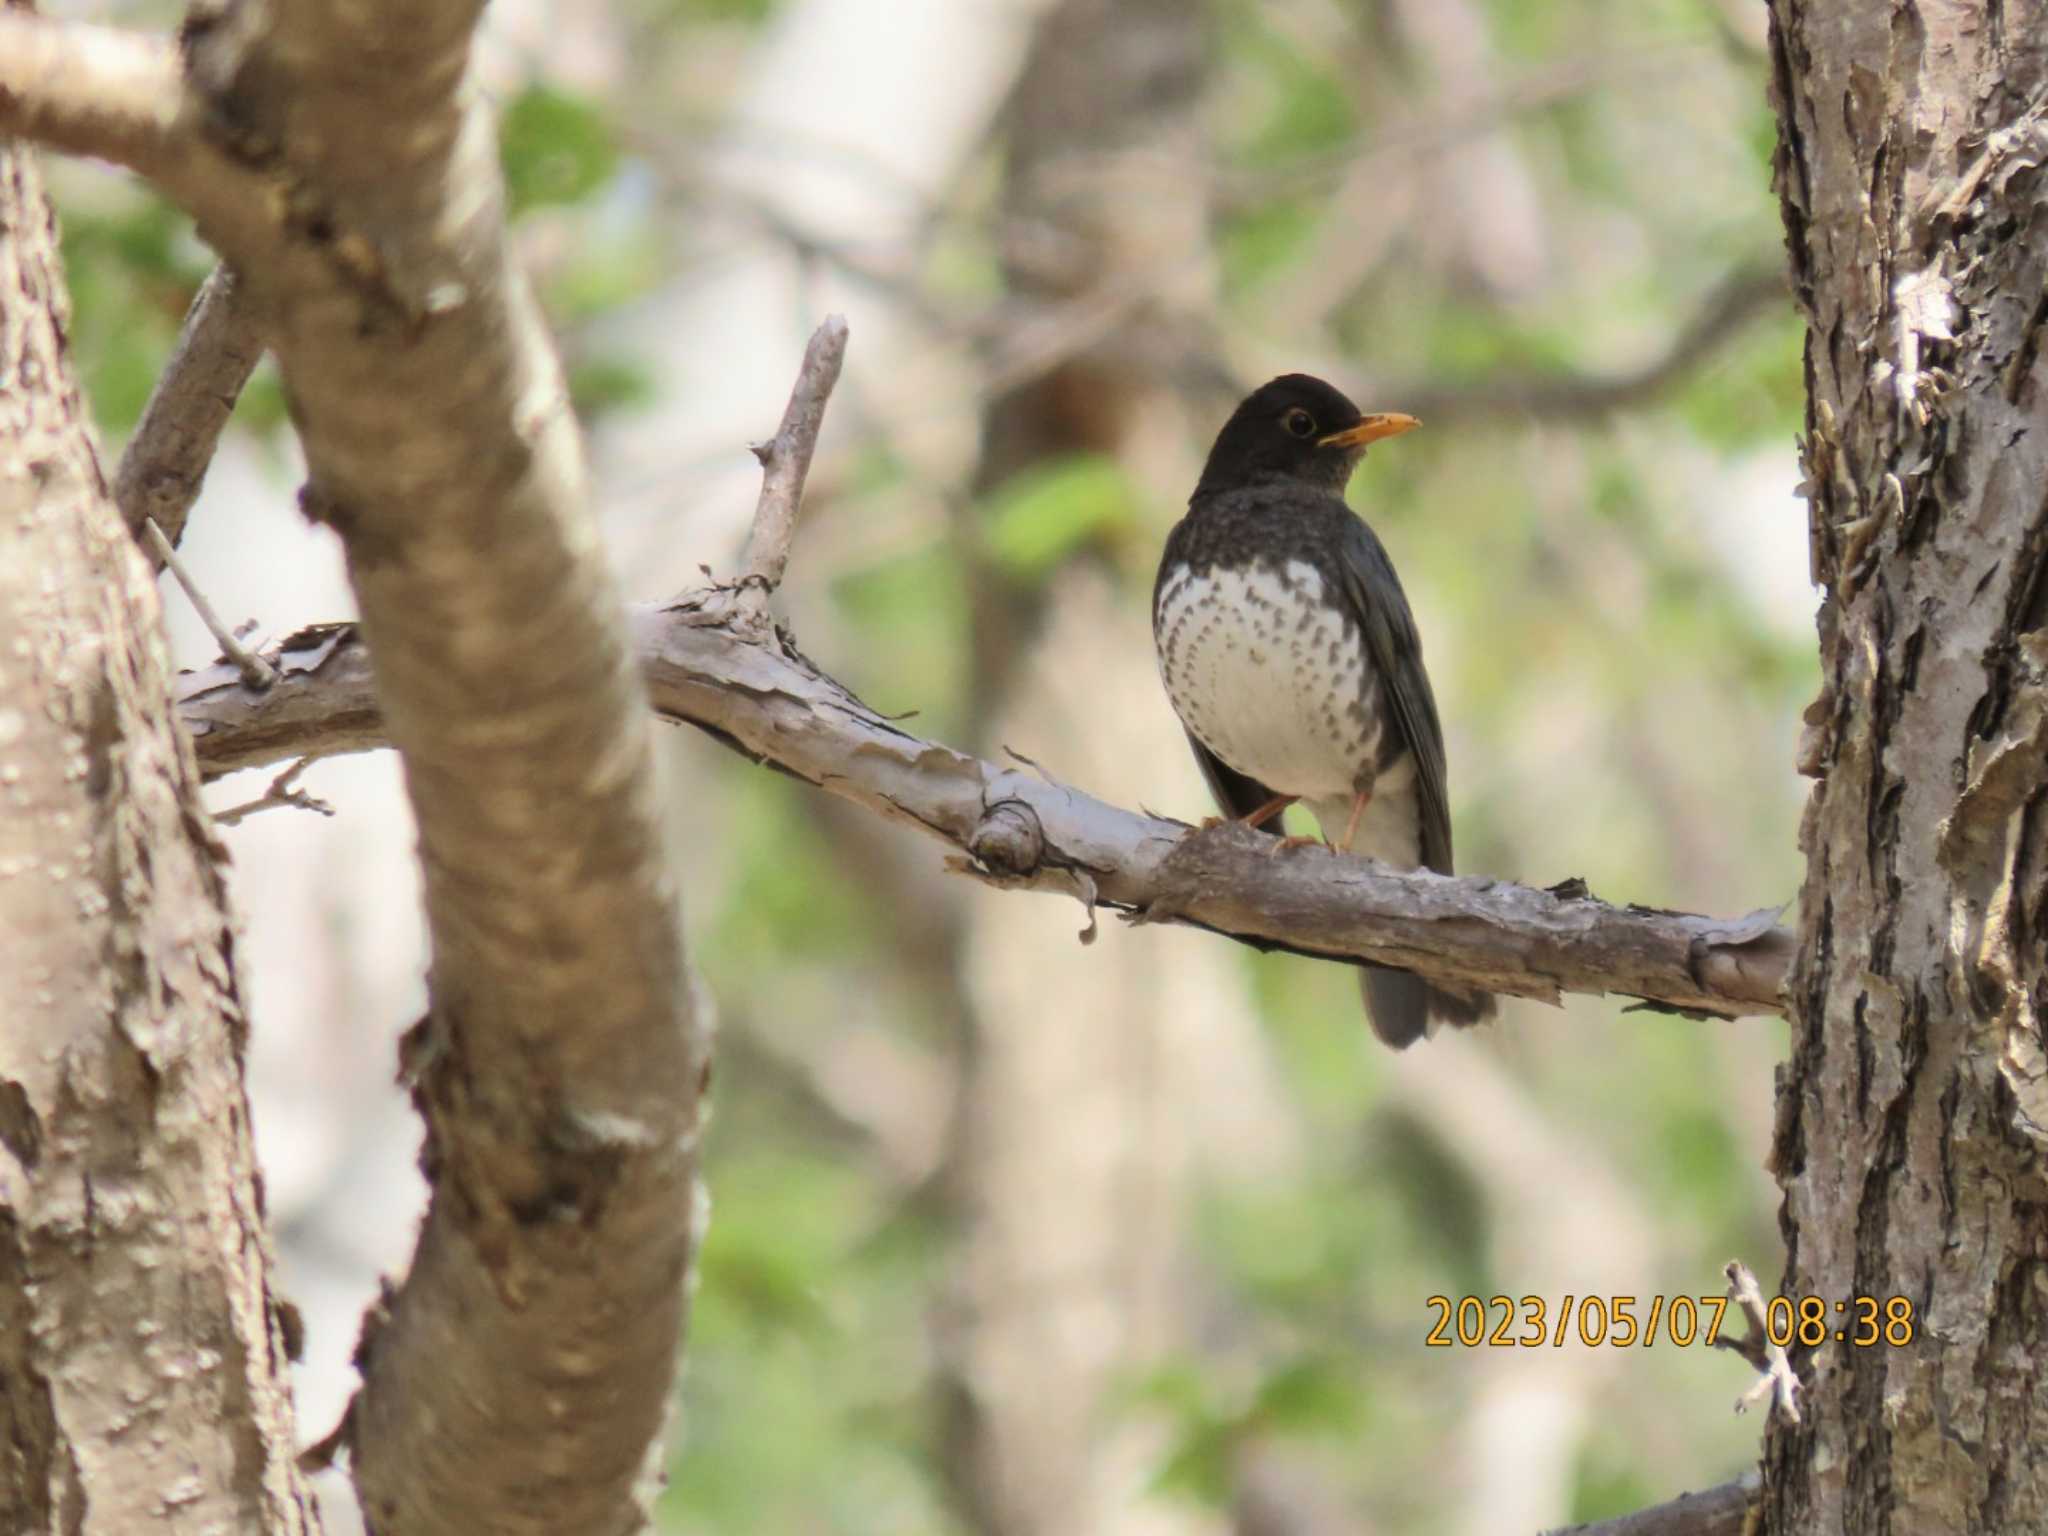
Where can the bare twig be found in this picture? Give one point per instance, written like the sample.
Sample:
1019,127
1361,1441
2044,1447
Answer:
281,793
1722,1511
88,89
166,460
1776,1379
256,673
786,458
708,664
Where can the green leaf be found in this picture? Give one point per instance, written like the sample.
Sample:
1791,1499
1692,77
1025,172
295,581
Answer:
1199,1466
1264,242
725,10
1314,1394
1302,107
1037,519
1177,1388
601,384
556,148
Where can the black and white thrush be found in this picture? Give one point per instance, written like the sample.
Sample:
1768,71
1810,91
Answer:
1290,654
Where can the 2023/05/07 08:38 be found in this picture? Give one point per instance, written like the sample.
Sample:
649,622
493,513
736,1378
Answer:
1529,1322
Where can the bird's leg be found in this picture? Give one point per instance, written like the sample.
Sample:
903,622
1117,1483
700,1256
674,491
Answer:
1359,802
1269,810
1259,818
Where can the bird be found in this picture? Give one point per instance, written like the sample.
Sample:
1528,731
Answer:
1290,654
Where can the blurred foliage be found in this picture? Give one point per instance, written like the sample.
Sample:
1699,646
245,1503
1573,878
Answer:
1620,699
133,268
556,148
1042,517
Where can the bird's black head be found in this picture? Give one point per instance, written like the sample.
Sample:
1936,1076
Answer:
1299,428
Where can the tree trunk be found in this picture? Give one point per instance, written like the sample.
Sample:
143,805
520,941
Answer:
142,1355
1065,1278
1912,1114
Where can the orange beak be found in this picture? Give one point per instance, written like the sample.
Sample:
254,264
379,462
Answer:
1370,429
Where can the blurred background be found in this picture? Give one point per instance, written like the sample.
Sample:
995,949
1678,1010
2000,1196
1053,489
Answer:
1011,1235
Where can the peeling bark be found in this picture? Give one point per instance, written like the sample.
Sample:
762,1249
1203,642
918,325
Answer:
711,663
1913,1116
142,1353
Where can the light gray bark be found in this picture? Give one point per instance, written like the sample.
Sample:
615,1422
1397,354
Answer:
708,663
142,1353
1913,1116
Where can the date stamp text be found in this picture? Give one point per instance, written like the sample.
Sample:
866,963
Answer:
1623,1322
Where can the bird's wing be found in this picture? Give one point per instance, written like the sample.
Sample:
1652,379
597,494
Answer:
1395,651
1236,794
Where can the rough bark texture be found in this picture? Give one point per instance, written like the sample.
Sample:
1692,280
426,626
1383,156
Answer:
1063,1277
1913,1117
142,1355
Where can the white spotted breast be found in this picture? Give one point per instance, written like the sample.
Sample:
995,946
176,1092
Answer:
1270,677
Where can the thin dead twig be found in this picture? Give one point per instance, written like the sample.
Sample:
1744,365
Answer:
1776,1379
786,459
257,674
281,793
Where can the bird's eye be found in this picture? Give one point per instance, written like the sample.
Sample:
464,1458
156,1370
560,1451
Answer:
1299,422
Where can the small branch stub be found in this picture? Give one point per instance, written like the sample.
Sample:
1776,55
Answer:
1009,840
786,459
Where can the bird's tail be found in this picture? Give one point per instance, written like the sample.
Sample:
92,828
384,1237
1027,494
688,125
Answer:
1402,1007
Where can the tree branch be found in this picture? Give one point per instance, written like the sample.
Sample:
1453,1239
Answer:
1721,1511
88,89
166,460
708,666
124,97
